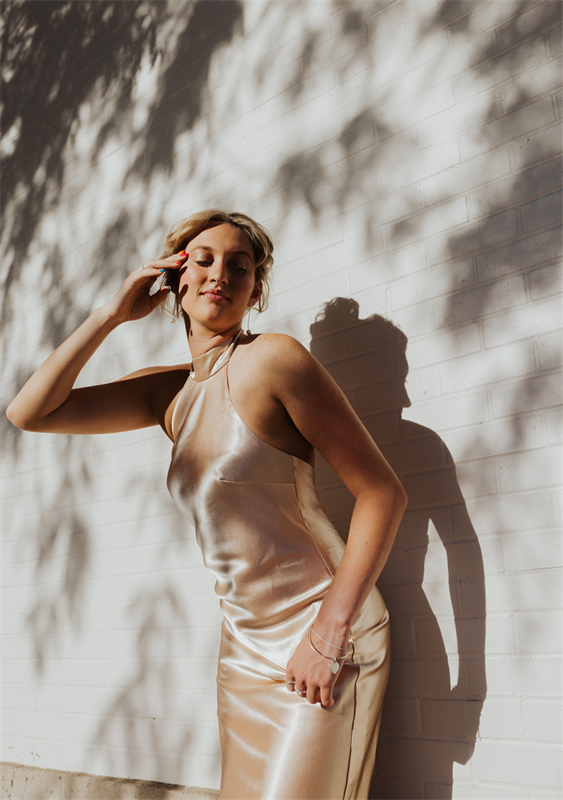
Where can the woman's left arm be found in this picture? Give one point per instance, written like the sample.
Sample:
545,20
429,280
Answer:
323,415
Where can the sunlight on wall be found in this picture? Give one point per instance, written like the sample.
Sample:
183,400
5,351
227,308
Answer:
437,590
406,158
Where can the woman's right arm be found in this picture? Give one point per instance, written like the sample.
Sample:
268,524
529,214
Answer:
48,402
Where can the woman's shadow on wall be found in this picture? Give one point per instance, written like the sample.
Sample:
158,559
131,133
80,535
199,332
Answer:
427,725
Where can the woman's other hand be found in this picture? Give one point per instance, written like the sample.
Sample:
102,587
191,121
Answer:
134,300
308,671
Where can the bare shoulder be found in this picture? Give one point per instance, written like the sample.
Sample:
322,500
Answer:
280,352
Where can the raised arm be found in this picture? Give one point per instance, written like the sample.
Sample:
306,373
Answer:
48,402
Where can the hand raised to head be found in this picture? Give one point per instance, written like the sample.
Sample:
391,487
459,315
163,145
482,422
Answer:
134,300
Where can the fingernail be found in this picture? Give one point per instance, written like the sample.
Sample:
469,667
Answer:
182,253
162,270
178,263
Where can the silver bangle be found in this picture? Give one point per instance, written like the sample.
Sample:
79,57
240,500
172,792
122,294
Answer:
336,647
334,666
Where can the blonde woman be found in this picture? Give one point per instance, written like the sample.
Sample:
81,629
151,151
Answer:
304,653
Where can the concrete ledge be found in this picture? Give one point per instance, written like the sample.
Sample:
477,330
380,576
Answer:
34,783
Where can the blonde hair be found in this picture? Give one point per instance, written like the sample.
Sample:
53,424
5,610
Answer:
187,229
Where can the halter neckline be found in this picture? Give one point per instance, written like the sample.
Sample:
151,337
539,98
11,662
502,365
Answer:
209,363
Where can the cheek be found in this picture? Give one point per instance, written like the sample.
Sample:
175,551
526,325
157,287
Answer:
187,277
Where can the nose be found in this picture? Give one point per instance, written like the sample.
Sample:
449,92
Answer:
218,272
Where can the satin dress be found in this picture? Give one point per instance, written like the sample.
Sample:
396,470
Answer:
268,541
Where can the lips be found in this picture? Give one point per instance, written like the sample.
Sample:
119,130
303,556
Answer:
216,295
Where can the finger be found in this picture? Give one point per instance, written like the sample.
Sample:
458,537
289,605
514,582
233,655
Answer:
158,297
178,259
313,694
290,683
327,699
161,264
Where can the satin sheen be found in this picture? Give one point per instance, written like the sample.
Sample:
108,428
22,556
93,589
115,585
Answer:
268,541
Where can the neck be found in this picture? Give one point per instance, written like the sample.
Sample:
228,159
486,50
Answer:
201,340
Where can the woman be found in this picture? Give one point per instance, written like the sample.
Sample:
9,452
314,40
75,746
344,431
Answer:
304,650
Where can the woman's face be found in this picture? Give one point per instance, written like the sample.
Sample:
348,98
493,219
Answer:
217,282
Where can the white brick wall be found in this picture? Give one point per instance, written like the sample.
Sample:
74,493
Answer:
405,156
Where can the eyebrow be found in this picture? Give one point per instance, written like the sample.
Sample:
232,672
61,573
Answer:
234,252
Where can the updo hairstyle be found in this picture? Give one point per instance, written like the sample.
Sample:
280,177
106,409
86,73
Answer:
181,234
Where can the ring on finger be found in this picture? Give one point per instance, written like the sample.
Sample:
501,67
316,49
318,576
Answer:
301,693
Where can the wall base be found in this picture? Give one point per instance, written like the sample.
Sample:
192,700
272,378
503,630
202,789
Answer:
33,783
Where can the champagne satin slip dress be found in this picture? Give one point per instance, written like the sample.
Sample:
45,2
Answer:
267,539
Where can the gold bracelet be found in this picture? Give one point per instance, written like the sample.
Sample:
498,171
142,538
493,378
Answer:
334,666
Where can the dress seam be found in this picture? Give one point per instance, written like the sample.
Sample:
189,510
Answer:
311,537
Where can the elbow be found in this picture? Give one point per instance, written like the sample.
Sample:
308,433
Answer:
18,419
402,497
397,495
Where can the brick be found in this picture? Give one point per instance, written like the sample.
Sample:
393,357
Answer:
509,127
545,281
430,161
394,570
514,62
532,22
474,238
507,192
554,426
416,289
451,123
437,103
446,718
499,634
396,787
526,765
350,254
540,80
397,205
528,252
473,303
519,592
534,470
429,49
542,212
544,144
488,791
501,719
513,325
36,725
533,551
538,633
486,367
467,175
555,39
430,758
523,676
399,715
520,512
543,721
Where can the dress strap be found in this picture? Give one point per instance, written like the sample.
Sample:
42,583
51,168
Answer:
208,364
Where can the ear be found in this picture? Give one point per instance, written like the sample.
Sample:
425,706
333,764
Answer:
256,294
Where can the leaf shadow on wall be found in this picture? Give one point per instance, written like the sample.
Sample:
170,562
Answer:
74,57
427,725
